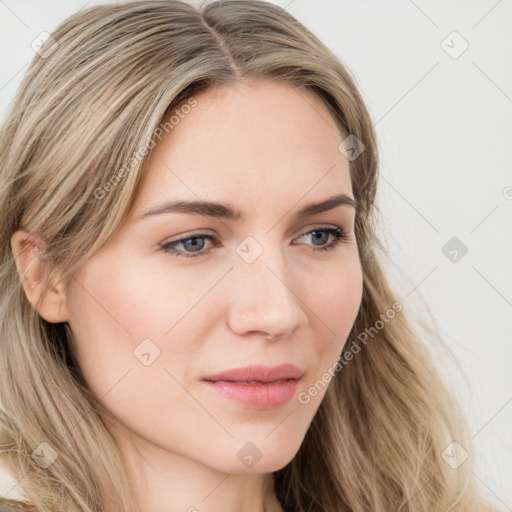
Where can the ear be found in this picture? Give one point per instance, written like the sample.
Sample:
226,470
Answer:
28,249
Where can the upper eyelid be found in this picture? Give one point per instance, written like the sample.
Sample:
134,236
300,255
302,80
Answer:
204,232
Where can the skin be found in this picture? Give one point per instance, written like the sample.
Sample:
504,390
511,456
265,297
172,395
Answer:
267,149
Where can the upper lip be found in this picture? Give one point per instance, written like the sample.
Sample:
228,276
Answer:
258,373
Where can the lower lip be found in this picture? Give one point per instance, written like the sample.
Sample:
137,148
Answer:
258,396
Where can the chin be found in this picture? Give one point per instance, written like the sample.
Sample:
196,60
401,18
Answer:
261,455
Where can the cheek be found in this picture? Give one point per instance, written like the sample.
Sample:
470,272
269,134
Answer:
335,305
113,308
135,299
334,298
122,311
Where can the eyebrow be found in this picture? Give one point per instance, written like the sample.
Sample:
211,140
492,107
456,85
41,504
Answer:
226,211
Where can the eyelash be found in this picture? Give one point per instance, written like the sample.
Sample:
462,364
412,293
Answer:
339,237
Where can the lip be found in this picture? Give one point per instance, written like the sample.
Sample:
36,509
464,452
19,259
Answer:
257,386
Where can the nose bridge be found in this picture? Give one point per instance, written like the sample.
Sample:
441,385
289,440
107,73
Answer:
264,300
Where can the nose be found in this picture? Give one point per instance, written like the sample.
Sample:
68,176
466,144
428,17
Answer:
263,300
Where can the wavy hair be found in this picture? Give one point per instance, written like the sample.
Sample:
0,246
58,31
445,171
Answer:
82,123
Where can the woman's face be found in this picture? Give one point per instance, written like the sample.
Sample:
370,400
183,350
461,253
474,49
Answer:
150,323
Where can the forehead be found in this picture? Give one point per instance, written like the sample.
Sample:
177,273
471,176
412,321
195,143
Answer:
252,143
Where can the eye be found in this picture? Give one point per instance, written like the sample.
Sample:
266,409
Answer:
193,245
320,234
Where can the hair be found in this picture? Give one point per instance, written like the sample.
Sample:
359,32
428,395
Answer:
73,148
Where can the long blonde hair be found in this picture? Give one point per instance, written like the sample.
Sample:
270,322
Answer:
72,151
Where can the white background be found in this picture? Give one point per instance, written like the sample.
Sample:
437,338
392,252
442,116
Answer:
444,127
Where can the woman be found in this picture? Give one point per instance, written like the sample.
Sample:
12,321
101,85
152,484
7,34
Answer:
194,314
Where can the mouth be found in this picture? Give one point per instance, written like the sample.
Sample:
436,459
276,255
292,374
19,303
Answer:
252,382
259,387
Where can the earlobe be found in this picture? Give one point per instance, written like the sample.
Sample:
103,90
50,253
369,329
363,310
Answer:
28,250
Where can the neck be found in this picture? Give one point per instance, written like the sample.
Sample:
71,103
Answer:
168,482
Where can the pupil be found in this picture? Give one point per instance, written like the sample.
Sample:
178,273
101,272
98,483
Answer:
316,233
195,244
